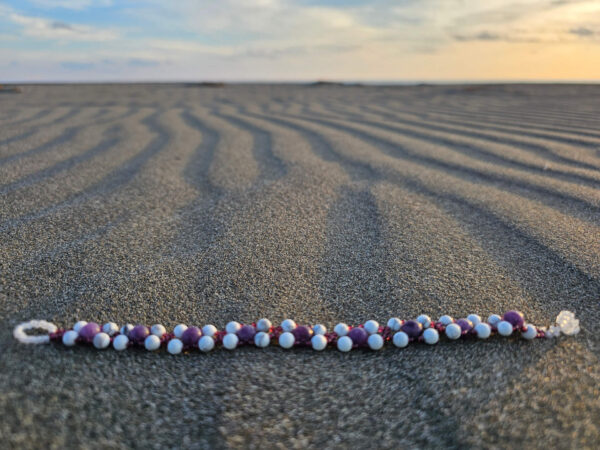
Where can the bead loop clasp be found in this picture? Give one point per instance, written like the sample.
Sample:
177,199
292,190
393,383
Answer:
20,332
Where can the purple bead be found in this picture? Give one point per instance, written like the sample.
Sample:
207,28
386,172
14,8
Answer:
246,333
465,325
88,331
302,333
412,328
515,318
191,336
139,333
358,335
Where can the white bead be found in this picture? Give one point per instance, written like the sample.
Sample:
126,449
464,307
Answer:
157,330
110,328
319,342
505,328
394,324
483,330
375,342
79,325
70,337
262,339
474,319
567,323
286,340
400,339
209,330
424,320
319,329
152,342
446,320
101,340
179,330
175,346
120,342
125,329
206,343
344,344
530,333
264,325
494,319
431,336
341,329
288,325
233,327
371,326
453,331
230,341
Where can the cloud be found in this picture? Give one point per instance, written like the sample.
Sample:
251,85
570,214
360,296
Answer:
71,4
482,36
136,62
582,32
37,27
75,65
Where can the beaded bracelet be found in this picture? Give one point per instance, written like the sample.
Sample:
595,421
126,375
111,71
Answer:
260,334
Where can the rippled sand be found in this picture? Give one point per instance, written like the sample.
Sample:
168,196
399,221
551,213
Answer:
187,204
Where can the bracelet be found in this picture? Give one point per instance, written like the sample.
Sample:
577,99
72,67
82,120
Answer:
287,335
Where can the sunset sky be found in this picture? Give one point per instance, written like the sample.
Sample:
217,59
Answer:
280,40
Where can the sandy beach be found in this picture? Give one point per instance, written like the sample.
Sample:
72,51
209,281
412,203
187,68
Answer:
188,204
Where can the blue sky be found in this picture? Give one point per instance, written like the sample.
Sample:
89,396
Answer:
96,40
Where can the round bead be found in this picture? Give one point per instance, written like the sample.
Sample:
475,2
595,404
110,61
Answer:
69,338
152,342
465,325
209,330
515,318
394,324
446,320
246,333
230,341
483,330
101,340
341,329
79,325
126,329
233,327
110,328
158,330
206,343
431,336
494,319
319,329
288,325
400,339
474,318
358,335
505,328
287,340
371,327
191,336
264,325
424,320
262,339
179,330
375,342
344,344
120,342
302,333
318,342
453,331
139,333
412,328
175,346
89,330
530,332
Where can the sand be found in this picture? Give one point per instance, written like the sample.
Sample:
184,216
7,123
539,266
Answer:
198,204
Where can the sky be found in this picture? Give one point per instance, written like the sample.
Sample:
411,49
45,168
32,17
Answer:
286,40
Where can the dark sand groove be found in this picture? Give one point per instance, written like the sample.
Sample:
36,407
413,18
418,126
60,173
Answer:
65,136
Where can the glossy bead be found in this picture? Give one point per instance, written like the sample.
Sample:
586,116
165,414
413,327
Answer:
206,343
246,333
175,346
431,336
515,318
474,318
139,333
344,344
233,327
412,328
288,325
70,338
465,325
494,319
121,342
262,339
179,330
302,333
453,331
319,329
318,342
209,330
264,325
101,340
287,340
158,330
341,329
446,320
230,341
89,330
505,328
126,329
79,325
371,327
358,335
400,339
530,332
375,342
110,328
152,342
191,336
424,320
394,324
483,330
